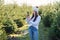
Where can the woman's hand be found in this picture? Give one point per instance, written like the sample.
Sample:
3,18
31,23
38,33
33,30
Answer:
28,17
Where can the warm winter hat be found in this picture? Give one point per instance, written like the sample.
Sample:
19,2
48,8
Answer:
36,9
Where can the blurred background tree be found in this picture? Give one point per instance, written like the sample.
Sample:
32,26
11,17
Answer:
12,18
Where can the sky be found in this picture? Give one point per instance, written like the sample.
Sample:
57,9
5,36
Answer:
30,2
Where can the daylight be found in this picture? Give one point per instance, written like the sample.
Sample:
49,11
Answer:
30,2
29,19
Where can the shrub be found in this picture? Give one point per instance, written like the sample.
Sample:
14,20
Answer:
47,20
18,22
8,26
3,35
58,25
54,33
58,19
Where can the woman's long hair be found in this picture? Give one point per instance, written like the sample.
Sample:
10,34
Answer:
36,15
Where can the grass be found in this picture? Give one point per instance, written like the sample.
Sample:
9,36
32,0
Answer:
43,33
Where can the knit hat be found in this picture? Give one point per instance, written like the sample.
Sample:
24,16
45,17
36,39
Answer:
35,9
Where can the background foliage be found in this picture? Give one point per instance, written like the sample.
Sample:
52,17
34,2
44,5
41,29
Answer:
13,16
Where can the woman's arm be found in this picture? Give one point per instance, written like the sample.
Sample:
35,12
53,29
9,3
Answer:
28,19
36,22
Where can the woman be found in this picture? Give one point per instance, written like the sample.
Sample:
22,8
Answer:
33,24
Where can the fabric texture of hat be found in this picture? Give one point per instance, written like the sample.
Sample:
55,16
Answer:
35,9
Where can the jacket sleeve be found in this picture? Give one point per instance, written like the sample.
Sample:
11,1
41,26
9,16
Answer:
27,20
36,22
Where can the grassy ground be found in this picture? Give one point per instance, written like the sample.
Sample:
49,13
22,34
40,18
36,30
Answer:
43,33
